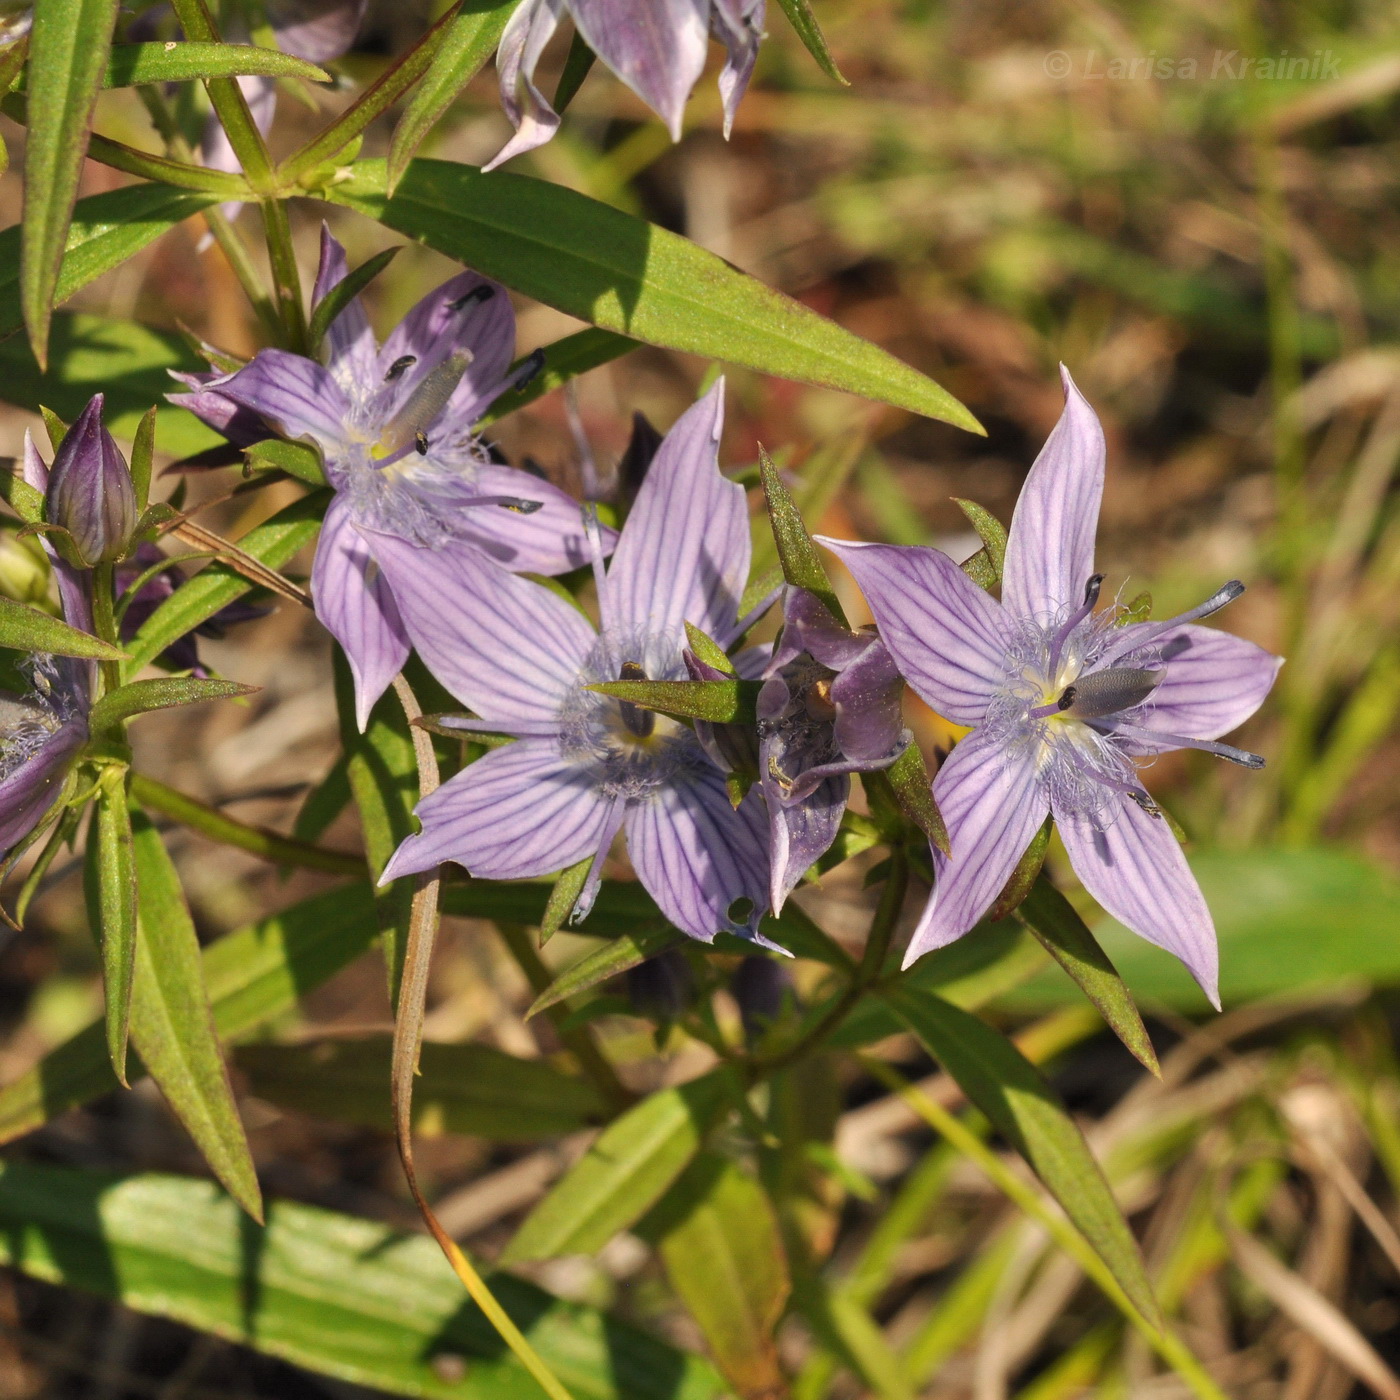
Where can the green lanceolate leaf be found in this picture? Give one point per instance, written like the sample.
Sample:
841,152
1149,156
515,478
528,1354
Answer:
1001,1082
622,274
563,897
1054,921
110,887
138,697
721,702
912,787
298,459
626,1170
172,1026
68,50
802,564
577,66
468,41
273,543
133,64
255,974
621,907
469,1089
563,360
342,1296
1023,876
992,534
800,16
21,497
723,1253
23,628
143,447
106,230
614,957
341,295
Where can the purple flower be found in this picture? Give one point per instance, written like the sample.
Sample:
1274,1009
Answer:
395,429
1063,703
829,707
90,493
584,766
43,732
657,47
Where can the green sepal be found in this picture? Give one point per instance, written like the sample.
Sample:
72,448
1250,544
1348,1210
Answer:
990,532
142,451
54,426
719,702
298,459
912,788
340,296
614,957
109,883
25,500
802,565
563,897
577,66
707,650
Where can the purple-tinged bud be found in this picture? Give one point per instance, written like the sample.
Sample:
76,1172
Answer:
90,491
662,988
760,986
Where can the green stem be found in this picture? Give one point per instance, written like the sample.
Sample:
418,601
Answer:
217,826
579,1039
105,625
378,97
285,276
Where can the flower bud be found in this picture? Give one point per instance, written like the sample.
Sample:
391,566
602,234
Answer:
90,490
24,569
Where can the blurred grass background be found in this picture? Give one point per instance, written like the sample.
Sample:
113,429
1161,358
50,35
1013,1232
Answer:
1193,206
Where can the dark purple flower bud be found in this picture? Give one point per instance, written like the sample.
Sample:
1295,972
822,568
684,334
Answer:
830,707
760,986
90,491
662,988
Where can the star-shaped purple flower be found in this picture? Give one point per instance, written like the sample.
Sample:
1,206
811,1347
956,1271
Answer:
1063,702
395,428
583,765
657,47
829,707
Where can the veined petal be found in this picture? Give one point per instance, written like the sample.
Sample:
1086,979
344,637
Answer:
526,34
1213,682
349,348
507,648
1136,870
298,397
799,833
738,25
549,540
355,605
1050,547
993,805
27,794
696,855
521,810
684,552
948,638
869,723
657,47
241,426
439,326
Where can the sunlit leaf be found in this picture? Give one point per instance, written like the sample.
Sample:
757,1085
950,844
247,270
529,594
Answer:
131,64
109,884
23,628
139,697
614,957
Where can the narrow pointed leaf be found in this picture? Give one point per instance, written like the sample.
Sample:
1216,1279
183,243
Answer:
723,1252
990,531
323,804
800,16
343,293
273,543
469,1089
467,42
110,887
564,359
1055,922
721,702
801,562
912,787
346,1297
255,974
1019,882
563,897
708,650
164,694
21,497
133,64
614,957
625,1172
577,67
623,274
172,1025
143,448
68,48
298,459
23,628
1000,1081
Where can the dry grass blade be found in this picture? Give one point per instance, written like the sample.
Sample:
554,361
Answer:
250,568
408,1032
1312,1312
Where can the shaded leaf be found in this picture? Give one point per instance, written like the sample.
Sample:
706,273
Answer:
110,889
138,697
1000,1081
342,294
345,1297
614,957
1054,921
622,274
23,628
172,1026
626,1170
68,48
800,16
298,459
722,702
469,1089
469,39
991,532
564,359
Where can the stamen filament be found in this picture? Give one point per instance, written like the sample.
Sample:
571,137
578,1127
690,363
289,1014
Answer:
1091,598
1179,741
594,536
1137,794
1217,600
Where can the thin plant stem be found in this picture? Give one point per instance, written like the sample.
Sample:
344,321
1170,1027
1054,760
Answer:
285,275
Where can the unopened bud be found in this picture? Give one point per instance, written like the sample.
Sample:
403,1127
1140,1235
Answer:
661,989
24,569
90,491
760,986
